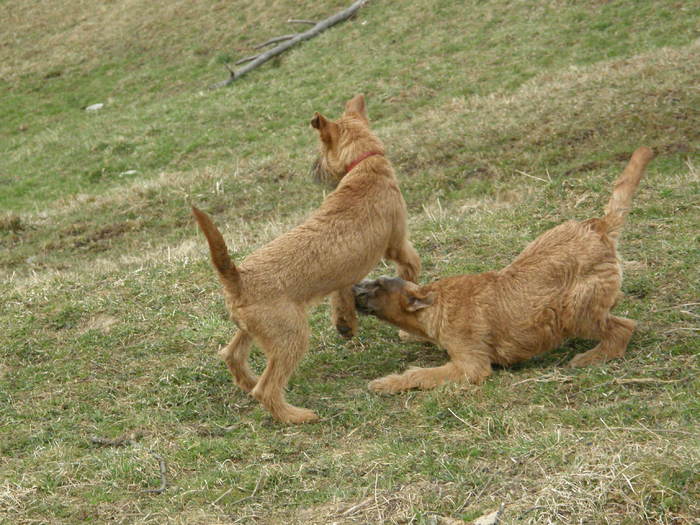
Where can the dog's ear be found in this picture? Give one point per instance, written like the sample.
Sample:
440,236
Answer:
316,122
357,105
418,300
327,129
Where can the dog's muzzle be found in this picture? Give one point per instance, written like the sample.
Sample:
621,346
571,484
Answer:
362,297
321,176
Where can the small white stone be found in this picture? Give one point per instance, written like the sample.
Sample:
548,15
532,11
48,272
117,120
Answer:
94,107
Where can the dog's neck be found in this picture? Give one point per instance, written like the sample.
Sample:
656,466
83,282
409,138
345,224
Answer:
429,320
360,159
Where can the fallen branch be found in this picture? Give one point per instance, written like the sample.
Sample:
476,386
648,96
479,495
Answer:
244,60
299,37
275,40
123,441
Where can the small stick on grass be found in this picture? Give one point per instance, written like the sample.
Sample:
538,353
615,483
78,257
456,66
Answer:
163,468
353,509
301,21
252,494
129,440
642,380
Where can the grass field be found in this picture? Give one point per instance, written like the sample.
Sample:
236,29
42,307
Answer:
502,119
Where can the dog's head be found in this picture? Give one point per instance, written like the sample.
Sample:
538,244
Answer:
342,141
393,300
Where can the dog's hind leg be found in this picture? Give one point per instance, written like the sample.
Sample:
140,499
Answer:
406,259
343,314
614,335
284,343
235,355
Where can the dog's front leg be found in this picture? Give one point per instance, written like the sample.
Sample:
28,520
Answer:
343,314
466,366
406,259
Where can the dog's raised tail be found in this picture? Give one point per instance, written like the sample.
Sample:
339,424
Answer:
623,190
228,273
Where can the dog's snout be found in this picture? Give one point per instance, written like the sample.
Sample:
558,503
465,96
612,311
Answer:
364,287
360,294
362,298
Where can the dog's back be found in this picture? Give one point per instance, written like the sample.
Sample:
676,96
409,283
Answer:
337,245
575,249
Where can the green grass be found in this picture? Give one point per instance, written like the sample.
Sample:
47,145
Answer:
502,119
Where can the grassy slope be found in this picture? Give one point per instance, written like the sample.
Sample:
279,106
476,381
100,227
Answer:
502,120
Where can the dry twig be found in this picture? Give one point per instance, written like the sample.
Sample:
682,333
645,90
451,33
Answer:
300,21
354,508
554,377
491,519
252,494
642,380
129,440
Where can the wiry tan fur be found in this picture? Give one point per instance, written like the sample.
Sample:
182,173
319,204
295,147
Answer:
268,294
562,285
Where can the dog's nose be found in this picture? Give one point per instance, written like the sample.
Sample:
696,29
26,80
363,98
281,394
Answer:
361,299
360,296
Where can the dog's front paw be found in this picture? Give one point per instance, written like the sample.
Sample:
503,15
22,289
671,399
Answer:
386,385
344,330
407,337
296,415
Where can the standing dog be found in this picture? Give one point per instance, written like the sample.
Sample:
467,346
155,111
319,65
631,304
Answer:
268,294
562,285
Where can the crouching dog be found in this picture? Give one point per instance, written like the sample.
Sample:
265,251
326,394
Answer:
562,285
268,294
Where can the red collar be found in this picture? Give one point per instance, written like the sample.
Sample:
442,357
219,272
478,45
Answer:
360,159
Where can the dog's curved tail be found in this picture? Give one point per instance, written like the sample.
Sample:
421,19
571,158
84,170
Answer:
228,274
625,185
